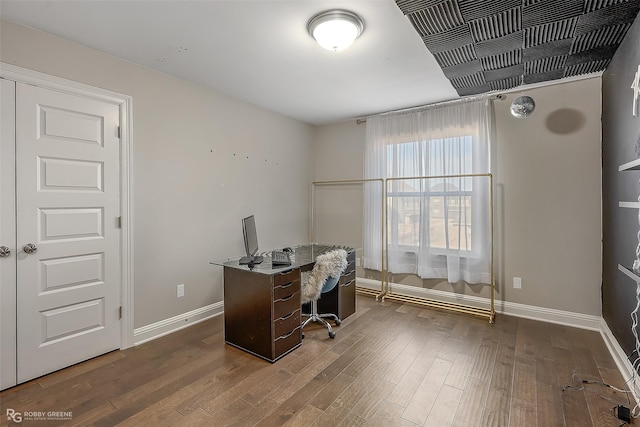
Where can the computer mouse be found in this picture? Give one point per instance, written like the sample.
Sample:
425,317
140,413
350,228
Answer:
287,249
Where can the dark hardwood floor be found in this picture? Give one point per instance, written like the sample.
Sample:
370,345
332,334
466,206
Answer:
391,364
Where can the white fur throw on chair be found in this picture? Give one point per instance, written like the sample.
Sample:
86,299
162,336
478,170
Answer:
331,264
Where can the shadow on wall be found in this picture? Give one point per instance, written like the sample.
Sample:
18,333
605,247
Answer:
565,121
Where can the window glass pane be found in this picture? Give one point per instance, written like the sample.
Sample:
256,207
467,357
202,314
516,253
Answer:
437,224
447,201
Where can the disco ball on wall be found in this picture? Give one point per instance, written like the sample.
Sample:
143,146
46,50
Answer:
522,107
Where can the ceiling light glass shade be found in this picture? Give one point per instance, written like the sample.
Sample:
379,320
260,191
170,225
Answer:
335,29
522,107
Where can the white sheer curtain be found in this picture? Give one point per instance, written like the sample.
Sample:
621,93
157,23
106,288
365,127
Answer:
438,227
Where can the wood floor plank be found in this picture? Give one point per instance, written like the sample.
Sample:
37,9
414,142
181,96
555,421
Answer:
305,417
402,362
524,380
391,364
444,407
460,371
368,404
485,360
522,414
575,408
472,403
389,414
546,373
493,418
405,389
549,405
331,391
420,405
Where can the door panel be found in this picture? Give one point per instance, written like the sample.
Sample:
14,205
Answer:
70,224
68,181
66,272
7,235
69,175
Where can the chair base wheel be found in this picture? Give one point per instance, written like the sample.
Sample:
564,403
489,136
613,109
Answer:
332,334
338,322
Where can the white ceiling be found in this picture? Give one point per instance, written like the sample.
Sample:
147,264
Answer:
258,51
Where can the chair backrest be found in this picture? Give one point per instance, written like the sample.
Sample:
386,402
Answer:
325,274
329,284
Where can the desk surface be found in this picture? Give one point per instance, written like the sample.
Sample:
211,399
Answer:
302,255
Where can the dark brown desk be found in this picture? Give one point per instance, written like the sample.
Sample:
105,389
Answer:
262,312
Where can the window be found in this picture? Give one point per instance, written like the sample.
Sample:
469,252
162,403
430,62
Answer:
438,222
446,202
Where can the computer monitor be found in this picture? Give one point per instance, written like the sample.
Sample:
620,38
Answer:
250,241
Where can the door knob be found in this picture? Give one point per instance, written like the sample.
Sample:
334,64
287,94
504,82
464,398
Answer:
30,248
4,251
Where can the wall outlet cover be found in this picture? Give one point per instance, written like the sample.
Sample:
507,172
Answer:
517,283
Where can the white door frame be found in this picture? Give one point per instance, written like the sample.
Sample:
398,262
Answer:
35,78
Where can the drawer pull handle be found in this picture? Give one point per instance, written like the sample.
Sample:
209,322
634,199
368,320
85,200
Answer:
286,298
284,273
286,316
349,283
286,285
288,335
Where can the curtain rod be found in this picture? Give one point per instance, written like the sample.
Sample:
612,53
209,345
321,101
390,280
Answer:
436,104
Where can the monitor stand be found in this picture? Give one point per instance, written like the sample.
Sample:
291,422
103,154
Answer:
251,260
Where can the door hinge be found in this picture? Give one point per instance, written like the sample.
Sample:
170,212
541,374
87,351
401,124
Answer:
120,313
119,134
119,222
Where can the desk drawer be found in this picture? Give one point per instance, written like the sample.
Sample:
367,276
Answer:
350,267
286,277
285,324
286,342
286,305
348,278
283,291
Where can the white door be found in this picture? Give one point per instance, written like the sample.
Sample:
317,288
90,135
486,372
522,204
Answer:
7,235
68,240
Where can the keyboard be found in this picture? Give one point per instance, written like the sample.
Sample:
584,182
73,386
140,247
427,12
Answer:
280,258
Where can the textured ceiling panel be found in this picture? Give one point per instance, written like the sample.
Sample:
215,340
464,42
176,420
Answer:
605,36
495,26
456,56
486,46
474,9
541,34
449,39
499,45
507,59
464,69
547,11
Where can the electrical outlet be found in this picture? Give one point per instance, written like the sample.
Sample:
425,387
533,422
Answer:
180,289
517,283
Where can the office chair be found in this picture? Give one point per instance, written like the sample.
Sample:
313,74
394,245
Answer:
322,279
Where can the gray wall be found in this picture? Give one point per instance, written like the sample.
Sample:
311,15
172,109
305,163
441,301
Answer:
548,200
620,144
338,209
201,161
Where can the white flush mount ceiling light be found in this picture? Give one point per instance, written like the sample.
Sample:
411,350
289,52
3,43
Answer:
335,29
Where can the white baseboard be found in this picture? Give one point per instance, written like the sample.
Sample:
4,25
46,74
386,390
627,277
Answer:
543,314
175,323
622,362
